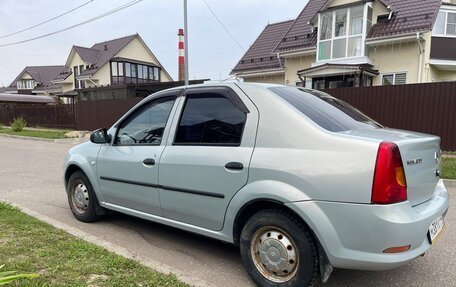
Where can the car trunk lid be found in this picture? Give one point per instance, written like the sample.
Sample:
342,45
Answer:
420,158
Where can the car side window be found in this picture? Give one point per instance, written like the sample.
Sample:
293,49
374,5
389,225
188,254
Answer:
147,126
210,119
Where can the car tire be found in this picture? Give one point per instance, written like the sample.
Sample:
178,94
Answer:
279,250
81,198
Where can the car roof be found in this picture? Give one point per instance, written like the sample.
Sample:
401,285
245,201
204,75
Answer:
224,84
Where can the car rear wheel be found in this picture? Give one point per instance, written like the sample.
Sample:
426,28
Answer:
81,198
278,250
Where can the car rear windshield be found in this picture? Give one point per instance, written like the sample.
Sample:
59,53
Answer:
326,111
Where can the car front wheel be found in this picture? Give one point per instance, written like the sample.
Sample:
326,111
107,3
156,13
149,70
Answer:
278,250
81,198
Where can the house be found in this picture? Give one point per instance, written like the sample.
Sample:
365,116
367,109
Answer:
35,80
126,60
352,43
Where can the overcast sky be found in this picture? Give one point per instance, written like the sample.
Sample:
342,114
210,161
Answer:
212,52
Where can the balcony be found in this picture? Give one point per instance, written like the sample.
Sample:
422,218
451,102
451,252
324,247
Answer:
443,53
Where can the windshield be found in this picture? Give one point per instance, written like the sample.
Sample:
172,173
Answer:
326,111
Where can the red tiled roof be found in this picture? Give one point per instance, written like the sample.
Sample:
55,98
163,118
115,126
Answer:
260,56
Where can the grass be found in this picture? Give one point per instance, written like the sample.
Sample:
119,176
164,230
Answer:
448,168
31,246
44,134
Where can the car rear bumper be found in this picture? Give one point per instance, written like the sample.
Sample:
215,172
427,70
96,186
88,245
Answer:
354,236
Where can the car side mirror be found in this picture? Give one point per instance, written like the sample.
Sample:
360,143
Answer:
100,136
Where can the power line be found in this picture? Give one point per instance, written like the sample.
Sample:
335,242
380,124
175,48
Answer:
229,33
47,21
223,26
124,6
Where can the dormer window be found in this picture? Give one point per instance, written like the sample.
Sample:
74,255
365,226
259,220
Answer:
343,32
26,84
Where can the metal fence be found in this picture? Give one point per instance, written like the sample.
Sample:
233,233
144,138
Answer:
91,115
428,108
49,116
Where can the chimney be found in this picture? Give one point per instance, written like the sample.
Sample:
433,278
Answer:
105,47
181,55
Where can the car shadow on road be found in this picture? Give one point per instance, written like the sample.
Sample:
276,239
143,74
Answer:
213,252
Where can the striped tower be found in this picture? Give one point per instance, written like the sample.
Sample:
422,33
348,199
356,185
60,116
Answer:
181,55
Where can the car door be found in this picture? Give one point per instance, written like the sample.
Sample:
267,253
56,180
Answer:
208,154
128,169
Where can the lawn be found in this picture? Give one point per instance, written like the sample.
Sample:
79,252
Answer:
45,134
448,168
30,246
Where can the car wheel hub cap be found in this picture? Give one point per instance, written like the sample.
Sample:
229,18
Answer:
80,198
274,254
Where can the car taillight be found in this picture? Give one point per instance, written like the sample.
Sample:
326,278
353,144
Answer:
389,178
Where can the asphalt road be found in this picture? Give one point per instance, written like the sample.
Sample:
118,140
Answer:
31,177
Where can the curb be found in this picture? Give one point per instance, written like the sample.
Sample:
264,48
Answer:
153,264
450,183
26,138
62,140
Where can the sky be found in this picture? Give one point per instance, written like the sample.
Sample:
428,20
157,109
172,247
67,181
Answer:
212,52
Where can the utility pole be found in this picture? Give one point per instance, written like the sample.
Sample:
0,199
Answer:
186,42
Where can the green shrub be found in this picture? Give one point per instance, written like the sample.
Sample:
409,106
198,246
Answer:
18,124
10,276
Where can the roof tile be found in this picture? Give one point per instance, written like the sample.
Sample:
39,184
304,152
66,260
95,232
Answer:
260,56
409,16
41,74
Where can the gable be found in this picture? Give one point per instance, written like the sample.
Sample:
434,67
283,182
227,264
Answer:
136,50
26,76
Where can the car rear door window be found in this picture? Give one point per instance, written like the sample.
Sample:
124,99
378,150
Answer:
210,118
328,112
146,127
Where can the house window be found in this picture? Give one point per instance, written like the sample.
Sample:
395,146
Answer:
451,24
81,83
77,70
127,70
76,74
394,79
25,84
445,24
129,73
156,74
341,32
117,71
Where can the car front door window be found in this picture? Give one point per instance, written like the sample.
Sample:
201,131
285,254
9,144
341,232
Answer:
147,126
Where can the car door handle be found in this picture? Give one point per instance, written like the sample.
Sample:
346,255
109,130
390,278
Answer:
234,166
149,161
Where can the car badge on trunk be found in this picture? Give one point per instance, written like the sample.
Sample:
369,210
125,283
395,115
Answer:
414,161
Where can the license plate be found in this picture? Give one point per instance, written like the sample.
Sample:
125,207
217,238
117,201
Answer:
435,229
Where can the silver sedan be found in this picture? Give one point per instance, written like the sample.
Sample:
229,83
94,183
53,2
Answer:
300,181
